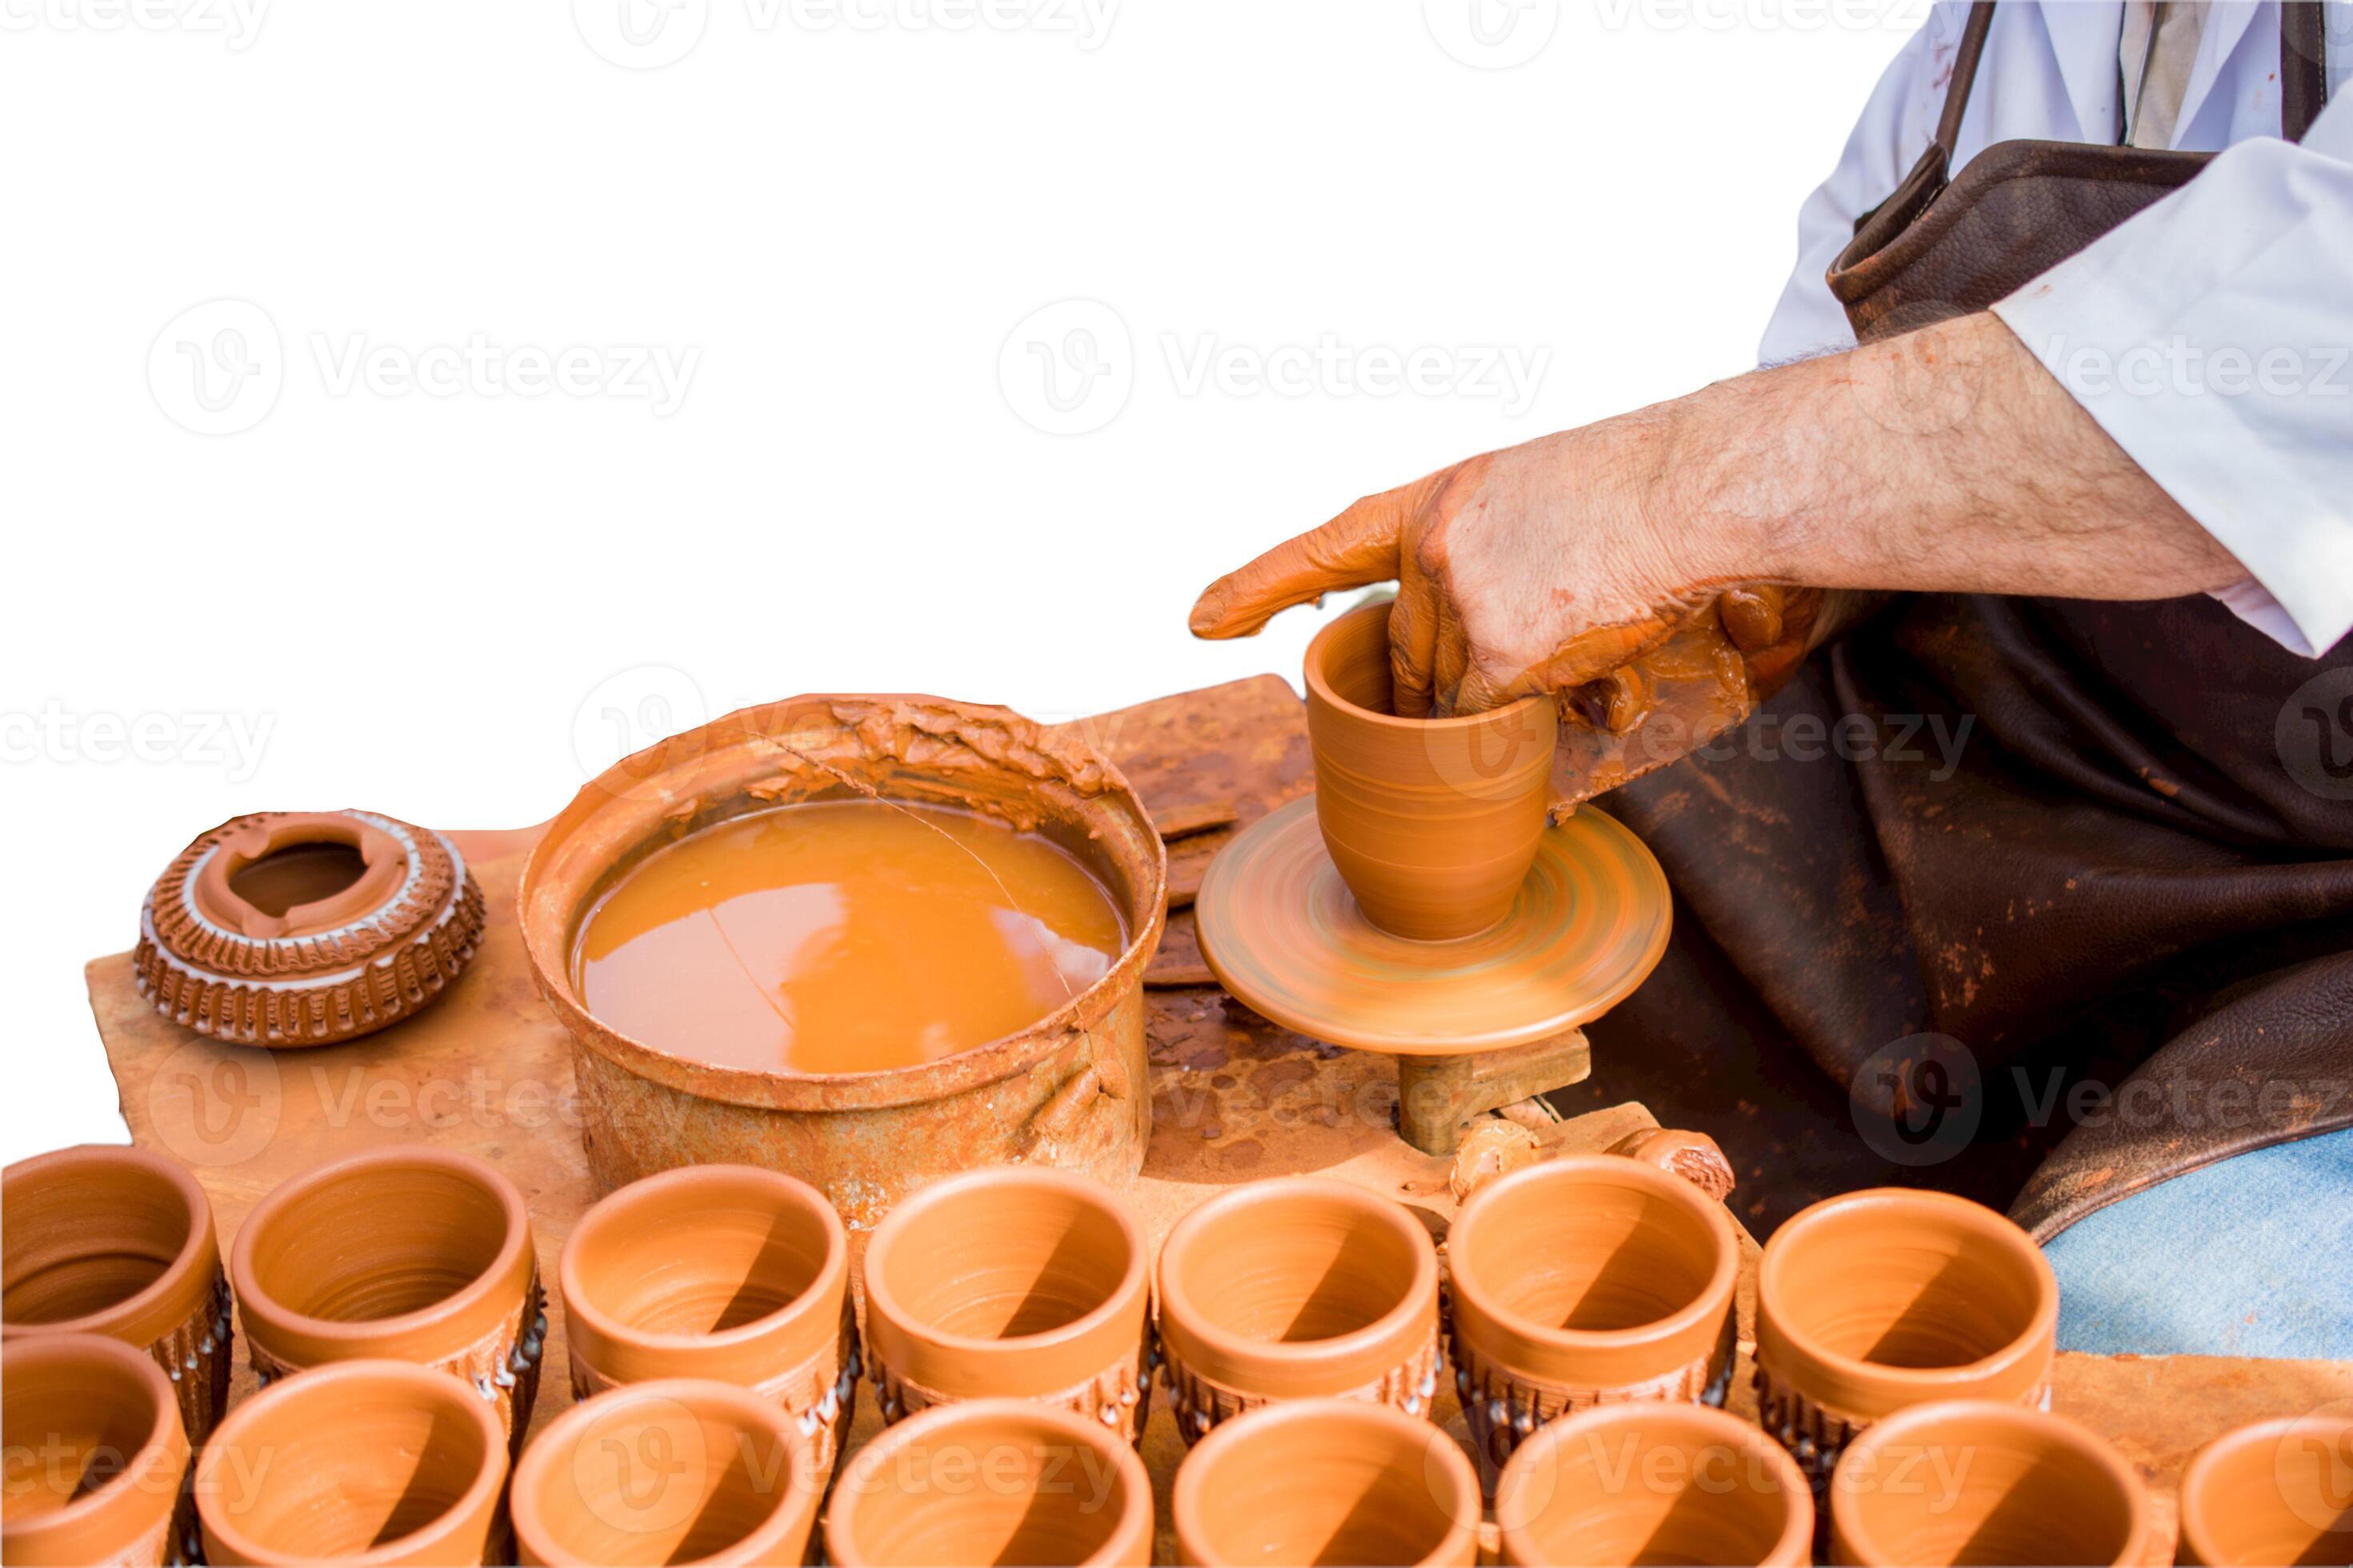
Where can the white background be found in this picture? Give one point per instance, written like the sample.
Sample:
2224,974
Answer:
453,605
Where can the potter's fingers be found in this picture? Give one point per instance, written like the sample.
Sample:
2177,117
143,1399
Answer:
1358,547
1752,615
1413,641
1449,662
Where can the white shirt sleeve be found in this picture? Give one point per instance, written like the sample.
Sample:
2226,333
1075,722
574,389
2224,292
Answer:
2210,337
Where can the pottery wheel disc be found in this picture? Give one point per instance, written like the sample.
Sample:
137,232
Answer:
1282,933
290,929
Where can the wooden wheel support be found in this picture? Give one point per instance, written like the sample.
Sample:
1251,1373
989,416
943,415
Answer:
1437,1095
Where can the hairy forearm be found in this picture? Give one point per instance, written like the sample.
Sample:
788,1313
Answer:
1946,461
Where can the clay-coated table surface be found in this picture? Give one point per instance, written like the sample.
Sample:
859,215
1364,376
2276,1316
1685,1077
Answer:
488,1070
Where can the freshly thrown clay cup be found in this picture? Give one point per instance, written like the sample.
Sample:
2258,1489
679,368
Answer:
1583,1280
1014,1282
1299,1288
1880,1299
724,1272
95,1453
992,1481
406,1254
2269,1493
119,1242
675,1470
1327,1481
1432,823
1974,1481
366,1462
1654,1482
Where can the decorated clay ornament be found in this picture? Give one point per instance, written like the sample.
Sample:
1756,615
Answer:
1301,1288
288,928
992,1481
408,1254
722,1272
675,1470
119,1242
1585,1280
1713,1490
366,1462
95,1453
1880,1299
1011,1282
2269,1493
1327,1481
1973,1481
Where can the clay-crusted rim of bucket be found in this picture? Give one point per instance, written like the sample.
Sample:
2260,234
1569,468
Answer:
1878,1385
1902,1431
172,1295
451,1323
1442,1457
326,1385
701,1396
138,1471
698,758
1130,1537
1709,1425
1360,1355
884,1308
821,1294
1322,688
1696,1321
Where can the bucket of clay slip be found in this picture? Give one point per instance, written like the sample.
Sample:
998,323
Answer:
992,1481
1652,1482
1070,1090
1584,1279
1010,1283
1299,1288
1878,1300
119,1242
2276,1491
1972,1481
371,1462
1327,1481
725,1272
676,1470
95,1453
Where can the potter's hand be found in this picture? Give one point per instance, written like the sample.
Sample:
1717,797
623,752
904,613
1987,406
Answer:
1539,569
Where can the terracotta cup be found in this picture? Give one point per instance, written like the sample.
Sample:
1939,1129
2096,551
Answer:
406,1254
1880,1299
96,1453
1976,1481
364,1462
119,1242
675,1470
1014,1282
1327,1481
1582,1280
1654,1482
724,1272
2273,1492
1432,823
992,1481
1301,1288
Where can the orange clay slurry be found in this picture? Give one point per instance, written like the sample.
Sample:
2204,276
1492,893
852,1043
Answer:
844,936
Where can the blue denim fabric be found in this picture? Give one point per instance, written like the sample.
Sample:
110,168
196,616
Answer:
2250,1257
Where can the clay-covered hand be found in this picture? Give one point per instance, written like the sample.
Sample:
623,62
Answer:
1545,568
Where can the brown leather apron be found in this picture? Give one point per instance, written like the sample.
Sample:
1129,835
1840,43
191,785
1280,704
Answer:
2022,876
